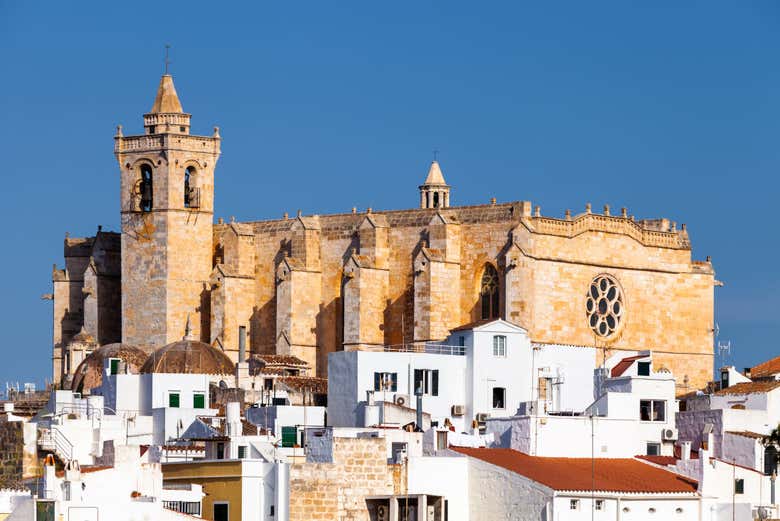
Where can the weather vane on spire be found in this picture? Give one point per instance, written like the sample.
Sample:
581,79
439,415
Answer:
167,61
435,154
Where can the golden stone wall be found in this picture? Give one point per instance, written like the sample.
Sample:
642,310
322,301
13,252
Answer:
337,490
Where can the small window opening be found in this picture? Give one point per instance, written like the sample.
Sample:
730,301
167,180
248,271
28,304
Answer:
145,188
499,397
173,400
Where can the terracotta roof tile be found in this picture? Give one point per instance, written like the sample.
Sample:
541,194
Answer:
613,475
297,383
750,387
622,366
764,369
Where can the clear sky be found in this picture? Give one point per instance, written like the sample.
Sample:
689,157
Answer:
671,110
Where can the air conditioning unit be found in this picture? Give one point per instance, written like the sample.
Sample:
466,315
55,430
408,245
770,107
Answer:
482,417
669,434
458,410
401,399
382,513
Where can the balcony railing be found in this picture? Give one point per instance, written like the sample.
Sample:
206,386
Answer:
427,347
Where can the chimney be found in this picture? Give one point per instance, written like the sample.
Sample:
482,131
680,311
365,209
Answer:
233,419
419,394
241,343
49,477
685,450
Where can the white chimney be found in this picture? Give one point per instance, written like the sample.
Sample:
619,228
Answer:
233,419
685,450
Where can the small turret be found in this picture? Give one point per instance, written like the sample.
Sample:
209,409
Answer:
434,192
166,114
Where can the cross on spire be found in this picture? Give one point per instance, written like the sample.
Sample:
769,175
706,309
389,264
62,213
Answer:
167,61
435,154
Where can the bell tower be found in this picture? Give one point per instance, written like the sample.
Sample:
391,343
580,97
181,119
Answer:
434,192
167,207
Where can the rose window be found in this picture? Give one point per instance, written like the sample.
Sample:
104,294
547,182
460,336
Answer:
604,305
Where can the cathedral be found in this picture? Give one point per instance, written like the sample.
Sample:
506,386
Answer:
308,285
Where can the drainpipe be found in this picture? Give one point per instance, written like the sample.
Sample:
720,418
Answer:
419,394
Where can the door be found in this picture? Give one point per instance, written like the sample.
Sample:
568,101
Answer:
220,512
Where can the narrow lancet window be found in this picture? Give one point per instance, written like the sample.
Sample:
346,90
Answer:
489,292
145,188
187,190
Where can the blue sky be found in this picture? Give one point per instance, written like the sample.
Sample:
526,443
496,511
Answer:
671,110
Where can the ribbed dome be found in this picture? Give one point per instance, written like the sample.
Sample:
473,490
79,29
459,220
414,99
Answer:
188,356
89,373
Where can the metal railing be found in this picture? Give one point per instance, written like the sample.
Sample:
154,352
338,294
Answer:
427,347
54,440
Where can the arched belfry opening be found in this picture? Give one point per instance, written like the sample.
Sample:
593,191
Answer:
434,192
489,293
145,188
190,187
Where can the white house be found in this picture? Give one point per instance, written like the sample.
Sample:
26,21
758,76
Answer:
632,415
125,487
510,485
485,369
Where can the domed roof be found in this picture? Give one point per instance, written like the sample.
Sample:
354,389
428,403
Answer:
188,356
89,373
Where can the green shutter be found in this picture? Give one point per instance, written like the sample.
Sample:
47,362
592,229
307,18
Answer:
199,401
173,400
114,365
289,436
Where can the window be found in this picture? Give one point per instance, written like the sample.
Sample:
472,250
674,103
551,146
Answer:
499,397
113,364
462,341
145,188
652,410
643,368
599,504
651,510
220,450
427,380
653,449
770,460
574,504
489,295
173,399
678,510
739,486
187,187
289,436
268,384
199,401
242,451
386,382
499,345
221,512
604,305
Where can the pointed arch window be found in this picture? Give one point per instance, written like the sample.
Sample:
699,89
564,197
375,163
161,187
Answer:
187,186
145,188
489,292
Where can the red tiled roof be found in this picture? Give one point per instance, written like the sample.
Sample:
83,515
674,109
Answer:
764,369
613,475
624,364
659,460
86,469
750,387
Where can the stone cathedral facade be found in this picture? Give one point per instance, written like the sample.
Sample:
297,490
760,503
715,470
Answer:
312,284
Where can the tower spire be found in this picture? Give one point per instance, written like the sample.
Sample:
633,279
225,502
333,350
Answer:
434,192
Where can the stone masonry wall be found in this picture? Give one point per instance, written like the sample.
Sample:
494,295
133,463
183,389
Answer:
336,491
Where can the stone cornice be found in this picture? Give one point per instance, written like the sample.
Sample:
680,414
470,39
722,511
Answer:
588,222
